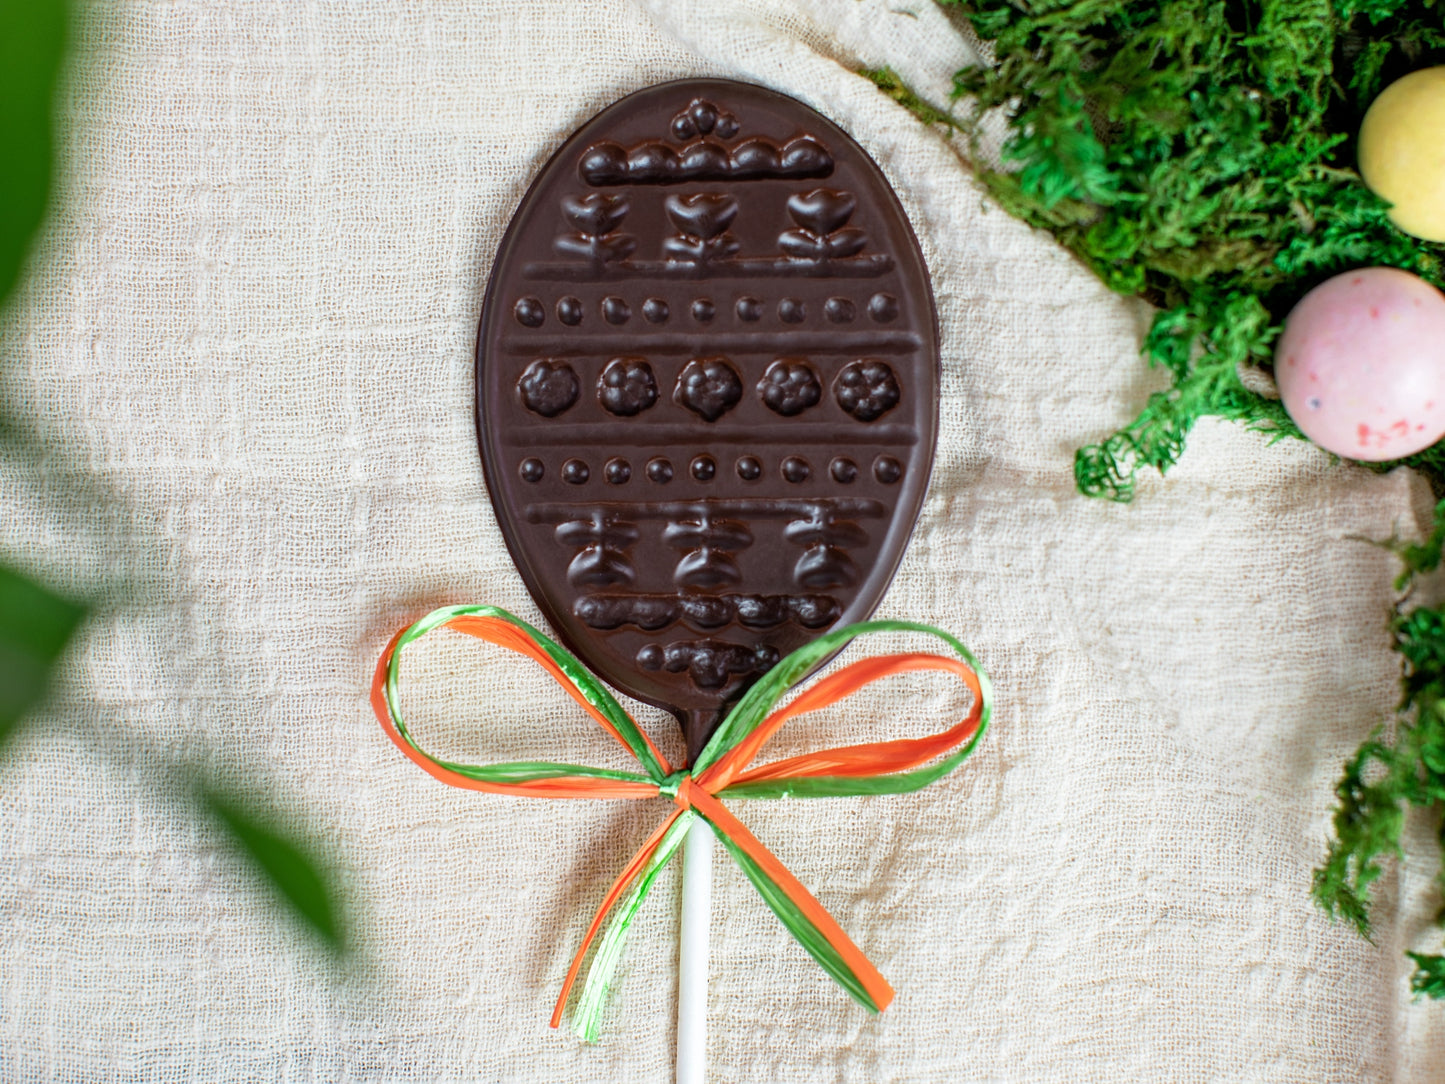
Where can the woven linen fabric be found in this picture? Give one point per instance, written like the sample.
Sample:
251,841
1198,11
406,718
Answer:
246,340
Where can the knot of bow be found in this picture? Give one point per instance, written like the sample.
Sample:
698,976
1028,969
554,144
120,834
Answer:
723,768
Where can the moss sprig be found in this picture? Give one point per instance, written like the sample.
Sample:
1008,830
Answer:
1390,773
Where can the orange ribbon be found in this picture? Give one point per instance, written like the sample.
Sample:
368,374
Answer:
729,771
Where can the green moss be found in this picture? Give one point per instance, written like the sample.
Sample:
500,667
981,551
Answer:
889,83
1201,155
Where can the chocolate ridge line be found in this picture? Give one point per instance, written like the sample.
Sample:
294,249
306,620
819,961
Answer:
587,434
801,157
761,507
712,343
668,610
842,267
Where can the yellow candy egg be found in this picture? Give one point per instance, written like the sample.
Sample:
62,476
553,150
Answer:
1402,152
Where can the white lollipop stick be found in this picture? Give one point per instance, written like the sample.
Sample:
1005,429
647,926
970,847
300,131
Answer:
692,962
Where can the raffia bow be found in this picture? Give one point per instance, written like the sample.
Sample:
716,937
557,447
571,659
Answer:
722,769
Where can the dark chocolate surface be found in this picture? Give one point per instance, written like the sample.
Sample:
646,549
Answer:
707,389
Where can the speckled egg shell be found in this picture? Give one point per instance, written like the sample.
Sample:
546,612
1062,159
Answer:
1361,364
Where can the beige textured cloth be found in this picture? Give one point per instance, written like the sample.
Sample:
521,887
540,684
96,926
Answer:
249,347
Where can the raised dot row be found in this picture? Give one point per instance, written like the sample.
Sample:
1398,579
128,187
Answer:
531,312
866,388
703,468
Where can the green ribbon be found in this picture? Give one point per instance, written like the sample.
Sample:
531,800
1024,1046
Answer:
753,710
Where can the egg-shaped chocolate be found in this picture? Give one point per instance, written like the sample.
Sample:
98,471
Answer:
1361,364
707,389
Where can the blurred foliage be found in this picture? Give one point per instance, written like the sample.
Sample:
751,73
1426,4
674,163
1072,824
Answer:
32,44
283,859
36,623
35,626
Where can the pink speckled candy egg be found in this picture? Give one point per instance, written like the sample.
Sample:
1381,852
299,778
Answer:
1361,364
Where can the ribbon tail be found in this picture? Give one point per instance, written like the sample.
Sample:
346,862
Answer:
587,1016
625,878
797,908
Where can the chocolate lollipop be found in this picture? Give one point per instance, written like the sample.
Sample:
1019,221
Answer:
707,390
707,401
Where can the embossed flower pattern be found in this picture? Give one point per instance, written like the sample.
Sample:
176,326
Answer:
790,387
867,389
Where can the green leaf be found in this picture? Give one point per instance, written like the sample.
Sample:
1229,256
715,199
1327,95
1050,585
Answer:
299,878
35,626
32,43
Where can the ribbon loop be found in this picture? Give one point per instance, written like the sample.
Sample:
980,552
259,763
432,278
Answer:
722,769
